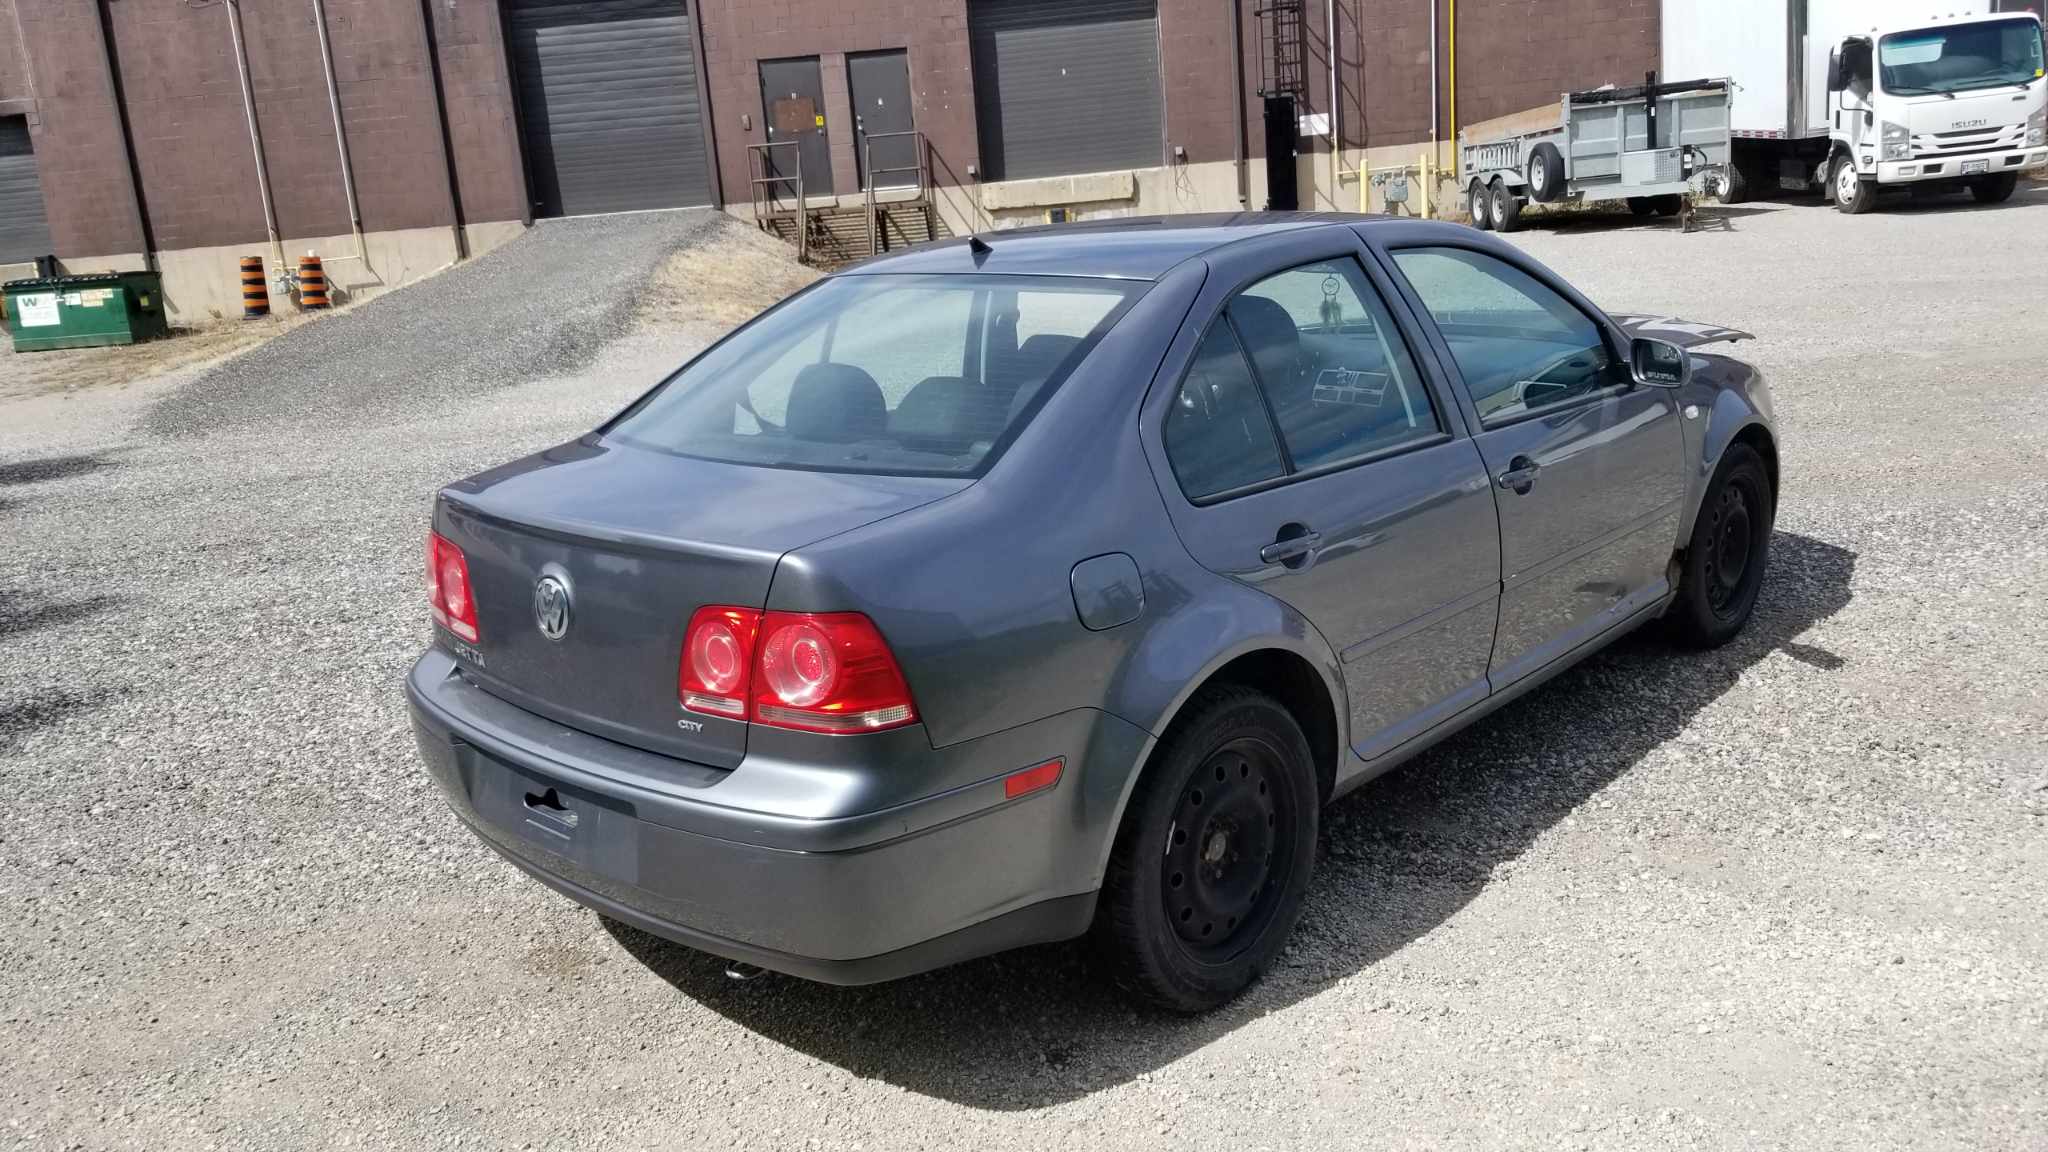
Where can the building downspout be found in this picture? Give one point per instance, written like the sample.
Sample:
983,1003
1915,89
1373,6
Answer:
1436,151
234,8
348,175
1336,95
1244,187
1454,78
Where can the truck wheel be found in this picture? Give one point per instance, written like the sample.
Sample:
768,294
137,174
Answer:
1724,562
1853,194
1507,208
1995,189
1640,206
1734,184
1479,205
1213,856
1546,173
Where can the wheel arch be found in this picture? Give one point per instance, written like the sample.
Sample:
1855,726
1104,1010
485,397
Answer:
1296,671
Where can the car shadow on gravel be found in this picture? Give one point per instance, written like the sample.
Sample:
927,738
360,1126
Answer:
1399,857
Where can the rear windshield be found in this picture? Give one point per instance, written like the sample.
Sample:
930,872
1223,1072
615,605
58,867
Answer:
903,375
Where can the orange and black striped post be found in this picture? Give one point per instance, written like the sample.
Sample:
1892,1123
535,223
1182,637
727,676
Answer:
255,297
312,283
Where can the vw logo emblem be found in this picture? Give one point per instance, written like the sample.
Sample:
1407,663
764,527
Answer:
551,606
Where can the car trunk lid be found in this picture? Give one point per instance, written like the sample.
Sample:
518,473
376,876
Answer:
639,539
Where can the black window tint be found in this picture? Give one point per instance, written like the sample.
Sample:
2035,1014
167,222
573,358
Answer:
1217,434
1519,346
1336,374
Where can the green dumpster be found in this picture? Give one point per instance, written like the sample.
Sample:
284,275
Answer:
84,311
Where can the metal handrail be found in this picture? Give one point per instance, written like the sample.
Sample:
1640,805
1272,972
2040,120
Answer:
762,190
869,173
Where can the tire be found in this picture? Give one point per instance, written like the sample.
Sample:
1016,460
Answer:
1479,204
1995,189
1507,208
1668,205
1641,206
1852,194
1186,921
1734,184
1724,562
1546,174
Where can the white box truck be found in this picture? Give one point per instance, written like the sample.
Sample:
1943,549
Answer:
1858,97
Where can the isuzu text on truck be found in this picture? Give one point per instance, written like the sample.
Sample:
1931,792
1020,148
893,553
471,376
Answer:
1858,97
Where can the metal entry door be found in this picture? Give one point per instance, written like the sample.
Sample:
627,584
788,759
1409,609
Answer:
880,85
24,230
793,108
608,105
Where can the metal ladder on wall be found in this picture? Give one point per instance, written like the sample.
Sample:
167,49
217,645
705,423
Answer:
1283,48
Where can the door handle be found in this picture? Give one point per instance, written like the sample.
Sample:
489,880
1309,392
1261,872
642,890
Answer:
1281,551
1520,476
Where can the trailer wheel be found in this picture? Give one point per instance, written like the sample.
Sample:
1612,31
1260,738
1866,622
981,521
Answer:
1480,205
1670,204
1546,173
1853,194
1640,206
1507,208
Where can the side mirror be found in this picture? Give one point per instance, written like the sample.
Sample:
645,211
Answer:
1659,364
1838,79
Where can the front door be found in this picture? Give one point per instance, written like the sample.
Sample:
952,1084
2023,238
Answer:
879,83
1587,467
793,109
1308,454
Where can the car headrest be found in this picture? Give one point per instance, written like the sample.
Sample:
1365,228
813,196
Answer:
1269,335
949,414
836,403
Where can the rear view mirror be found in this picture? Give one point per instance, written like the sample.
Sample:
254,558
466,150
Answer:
1659,364
1837,79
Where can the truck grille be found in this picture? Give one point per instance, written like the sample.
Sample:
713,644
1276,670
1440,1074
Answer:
1934,145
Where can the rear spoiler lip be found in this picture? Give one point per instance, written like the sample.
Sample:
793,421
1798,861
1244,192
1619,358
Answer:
1684,333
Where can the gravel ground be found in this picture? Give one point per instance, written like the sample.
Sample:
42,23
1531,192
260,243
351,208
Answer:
1787,895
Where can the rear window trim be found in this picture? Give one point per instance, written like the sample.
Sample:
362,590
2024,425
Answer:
1129,290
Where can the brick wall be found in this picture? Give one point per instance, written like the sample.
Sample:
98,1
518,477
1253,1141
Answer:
1512,55
191,138
87,192
737,34
482,125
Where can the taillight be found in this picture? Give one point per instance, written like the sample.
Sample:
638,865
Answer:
813,671
448,587
718,657
828,672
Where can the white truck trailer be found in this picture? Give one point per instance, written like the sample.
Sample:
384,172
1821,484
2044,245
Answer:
1858,97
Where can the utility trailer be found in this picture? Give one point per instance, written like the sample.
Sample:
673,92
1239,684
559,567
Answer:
1645,145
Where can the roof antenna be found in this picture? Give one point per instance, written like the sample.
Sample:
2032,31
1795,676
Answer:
979,247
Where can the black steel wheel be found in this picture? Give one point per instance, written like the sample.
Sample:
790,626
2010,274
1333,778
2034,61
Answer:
1724,563
1213,856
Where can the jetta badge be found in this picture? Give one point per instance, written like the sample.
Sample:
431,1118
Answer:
551,606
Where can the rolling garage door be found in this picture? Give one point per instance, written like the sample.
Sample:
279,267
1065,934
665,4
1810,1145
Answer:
1065,86
608,104
24,230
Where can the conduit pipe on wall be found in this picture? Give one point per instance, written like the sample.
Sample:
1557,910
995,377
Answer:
1436,151
1244,188
234,8
348,176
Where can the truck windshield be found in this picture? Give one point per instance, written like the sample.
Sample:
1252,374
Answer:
908,375
1960,58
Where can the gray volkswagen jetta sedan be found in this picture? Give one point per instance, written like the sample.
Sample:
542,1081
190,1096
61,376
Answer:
1047,584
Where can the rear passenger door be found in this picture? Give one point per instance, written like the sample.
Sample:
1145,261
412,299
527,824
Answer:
1587,466
1302,448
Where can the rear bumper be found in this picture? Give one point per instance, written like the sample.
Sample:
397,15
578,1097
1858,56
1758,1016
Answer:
844,898
1951,167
